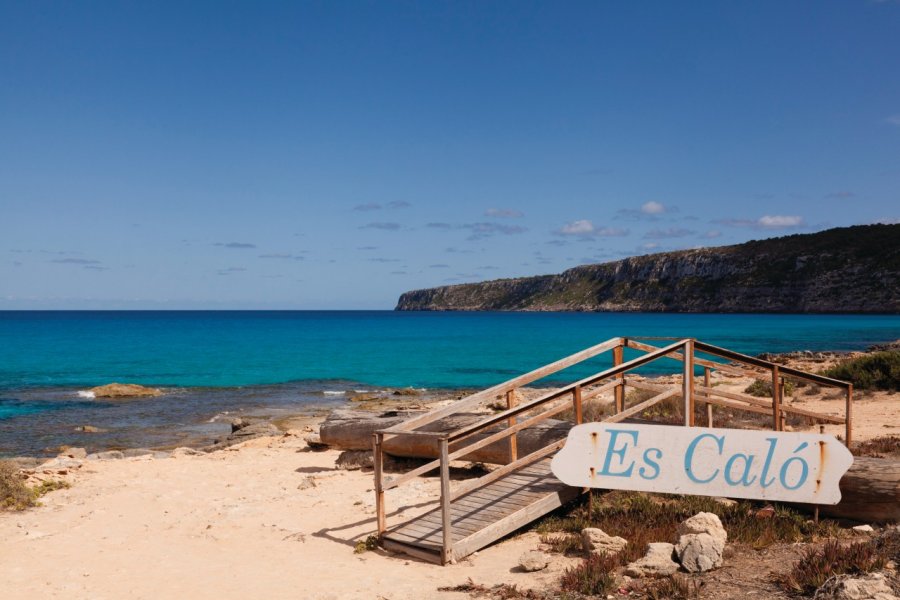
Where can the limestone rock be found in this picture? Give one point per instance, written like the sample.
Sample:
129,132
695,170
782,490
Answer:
863,529
657,562
315,442
89,429
700,552
704,522
108,455
597,541
534,561
124,390
352,460
873,586
68,452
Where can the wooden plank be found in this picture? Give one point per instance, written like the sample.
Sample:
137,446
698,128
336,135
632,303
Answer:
687,383
776,399
447,551
736,405
618,354
378,459
498,473
513,439
515,521
639,407
724,367
413,551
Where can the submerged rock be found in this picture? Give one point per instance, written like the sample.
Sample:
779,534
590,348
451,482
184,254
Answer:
124,390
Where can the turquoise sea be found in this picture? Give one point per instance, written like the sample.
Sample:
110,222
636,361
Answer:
232,362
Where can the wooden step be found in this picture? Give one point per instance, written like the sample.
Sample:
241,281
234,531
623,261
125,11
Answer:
484,515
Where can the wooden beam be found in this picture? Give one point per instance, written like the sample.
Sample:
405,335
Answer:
576,400
640,407
709,406
849,416
513,439
618,354
687,383
447,547
776,399
378,459
504,387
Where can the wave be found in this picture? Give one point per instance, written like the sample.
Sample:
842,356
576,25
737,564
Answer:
86,394
334,392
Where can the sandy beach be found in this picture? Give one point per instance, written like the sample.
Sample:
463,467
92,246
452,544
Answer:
269,517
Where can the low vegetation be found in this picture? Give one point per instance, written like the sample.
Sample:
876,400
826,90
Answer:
643,518
834,558
874,371
763,389
15,495
370,543
880,447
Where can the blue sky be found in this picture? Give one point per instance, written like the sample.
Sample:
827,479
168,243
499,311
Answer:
335,154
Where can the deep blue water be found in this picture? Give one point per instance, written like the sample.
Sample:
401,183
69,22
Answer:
228,360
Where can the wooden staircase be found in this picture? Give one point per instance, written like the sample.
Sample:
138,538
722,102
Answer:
481,511
483,515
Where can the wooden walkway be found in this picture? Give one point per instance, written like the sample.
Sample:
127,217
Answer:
483,515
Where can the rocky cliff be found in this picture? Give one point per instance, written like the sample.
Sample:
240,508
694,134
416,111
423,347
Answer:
849,269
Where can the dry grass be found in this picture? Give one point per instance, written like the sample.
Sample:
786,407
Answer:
880,447
15,495
833,558
643,518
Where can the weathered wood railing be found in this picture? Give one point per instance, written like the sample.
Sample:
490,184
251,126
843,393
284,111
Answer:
572,397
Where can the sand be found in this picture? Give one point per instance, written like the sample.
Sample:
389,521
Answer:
229,524
264,519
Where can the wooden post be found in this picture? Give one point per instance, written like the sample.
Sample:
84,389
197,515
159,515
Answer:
618,355
709,406
378,456
447,549
576,399
849,416
514,438
687,384
776,399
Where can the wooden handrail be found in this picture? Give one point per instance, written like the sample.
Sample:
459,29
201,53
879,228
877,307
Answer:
504,387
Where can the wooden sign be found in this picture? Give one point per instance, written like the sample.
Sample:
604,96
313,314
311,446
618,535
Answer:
735,463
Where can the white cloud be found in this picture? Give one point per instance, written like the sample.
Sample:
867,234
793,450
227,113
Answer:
584,228
893,120
779,221
579,227
653,208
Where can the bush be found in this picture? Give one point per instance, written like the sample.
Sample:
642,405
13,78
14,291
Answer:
763,389
594,576
880,447
833,558
14,495
876,371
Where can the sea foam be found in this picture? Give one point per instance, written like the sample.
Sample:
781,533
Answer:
86,394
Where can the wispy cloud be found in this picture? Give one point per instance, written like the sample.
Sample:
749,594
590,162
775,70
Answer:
230,270
96,268
649,211
382,226
367,248
584,228
75,261
712,234
481,231
894,120
369,206
670,233
235,245
283,256
765,222
384,260
841,195
439,266
504,213
443,226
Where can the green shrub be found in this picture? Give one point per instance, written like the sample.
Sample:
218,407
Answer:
763,389
875,371
14,495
